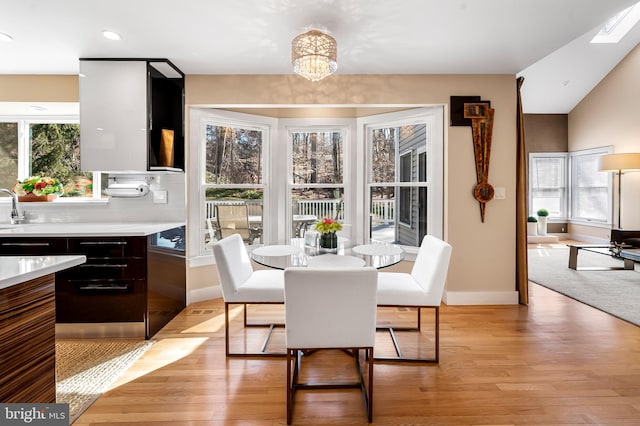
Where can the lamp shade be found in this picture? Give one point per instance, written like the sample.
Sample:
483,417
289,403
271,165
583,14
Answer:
619,162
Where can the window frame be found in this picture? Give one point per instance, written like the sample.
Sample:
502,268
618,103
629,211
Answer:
24,151
599,151
204,117
291,186
565,178
433,118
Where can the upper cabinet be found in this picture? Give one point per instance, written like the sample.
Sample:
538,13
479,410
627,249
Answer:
131,115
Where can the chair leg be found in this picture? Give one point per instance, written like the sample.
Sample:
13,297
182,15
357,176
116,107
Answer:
289,385
226,328
370,397
400,357
295,356
263,348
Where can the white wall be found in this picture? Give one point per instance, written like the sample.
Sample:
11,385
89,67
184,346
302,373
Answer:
114,210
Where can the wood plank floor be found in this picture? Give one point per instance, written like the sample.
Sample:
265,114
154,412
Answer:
554,362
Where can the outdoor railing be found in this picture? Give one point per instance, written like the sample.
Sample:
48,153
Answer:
382,211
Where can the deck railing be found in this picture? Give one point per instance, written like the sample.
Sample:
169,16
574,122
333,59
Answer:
382,211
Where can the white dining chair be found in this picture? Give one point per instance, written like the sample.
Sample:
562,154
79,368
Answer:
422,288
241,285
330,309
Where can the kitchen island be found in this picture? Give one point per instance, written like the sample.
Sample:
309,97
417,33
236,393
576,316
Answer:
133,283
27,326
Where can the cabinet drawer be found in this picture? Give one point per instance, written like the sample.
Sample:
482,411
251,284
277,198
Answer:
100,300
119,268
32,246
108,247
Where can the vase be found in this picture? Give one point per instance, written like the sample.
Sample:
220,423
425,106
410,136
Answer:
328,240
532,228
542,225
31,197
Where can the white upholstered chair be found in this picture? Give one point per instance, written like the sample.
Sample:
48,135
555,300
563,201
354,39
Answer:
422,288
330,309
241,285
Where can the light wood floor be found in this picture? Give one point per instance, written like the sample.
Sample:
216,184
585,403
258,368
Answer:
554,362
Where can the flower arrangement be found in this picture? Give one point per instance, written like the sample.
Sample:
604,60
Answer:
38,185
328,225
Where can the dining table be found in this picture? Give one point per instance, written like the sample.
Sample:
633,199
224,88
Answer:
297,252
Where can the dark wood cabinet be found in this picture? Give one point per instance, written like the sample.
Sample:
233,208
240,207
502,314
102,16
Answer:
125,279
27,342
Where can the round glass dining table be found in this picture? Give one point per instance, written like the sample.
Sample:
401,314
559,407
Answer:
296,253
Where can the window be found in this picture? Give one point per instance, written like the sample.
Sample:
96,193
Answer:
43,147
404,183
404,210
317,176
290,172
548,184
590,188
233,175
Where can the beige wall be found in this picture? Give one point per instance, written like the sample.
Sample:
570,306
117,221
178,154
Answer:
609,115
483,262
546,132
39,88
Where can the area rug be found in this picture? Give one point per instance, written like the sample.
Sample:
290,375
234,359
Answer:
85,368
616,292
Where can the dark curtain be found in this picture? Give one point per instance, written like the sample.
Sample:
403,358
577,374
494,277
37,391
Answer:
522,274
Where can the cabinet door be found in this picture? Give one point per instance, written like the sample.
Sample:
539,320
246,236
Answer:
113,115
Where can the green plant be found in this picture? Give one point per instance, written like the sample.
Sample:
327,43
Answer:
532,219
328,225
38,185
543,213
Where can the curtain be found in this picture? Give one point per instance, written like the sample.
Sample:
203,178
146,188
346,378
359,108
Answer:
522,273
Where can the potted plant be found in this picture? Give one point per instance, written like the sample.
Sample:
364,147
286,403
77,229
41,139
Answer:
328,237
532,226
542,221
38,188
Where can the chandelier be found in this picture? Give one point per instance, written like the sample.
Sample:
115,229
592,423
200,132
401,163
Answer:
314,55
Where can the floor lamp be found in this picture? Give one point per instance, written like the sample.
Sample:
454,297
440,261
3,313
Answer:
619,163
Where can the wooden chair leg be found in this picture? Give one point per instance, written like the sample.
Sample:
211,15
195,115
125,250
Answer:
370,396
289,384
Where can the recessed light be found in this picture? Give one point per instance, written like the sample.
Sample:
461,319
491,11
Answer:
5,37
111,35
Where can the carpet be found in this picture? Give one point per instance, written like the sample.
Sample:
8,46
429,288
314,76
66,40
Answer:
85,368
616,292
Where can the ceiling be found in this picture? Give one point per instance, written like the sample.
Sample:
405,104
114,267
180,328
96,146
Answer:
546,41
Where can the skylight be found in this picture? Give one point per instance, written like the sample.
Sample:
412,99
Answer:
618,25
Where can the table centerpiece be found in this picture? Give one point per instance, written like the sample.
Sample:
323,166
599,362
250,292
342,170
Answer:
328,237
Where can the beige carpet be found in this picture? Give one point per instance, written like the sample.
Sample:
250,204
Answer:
85,368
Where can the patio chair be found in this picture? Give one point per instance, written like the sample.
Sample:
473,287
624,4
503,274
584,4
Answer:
422,288
234,219
330,309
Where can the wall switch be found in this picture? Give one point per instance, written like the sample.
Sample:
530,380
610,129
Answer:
499,193
160,197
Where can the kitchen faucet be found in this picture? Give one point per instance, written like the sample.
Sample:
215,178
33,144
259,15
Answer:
16,217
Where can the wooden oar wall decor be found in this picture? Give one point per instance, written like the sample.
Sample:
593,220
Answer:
481,115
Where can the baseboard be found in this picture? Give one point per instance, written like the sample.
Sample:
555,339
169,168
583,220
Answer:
202,294
481,298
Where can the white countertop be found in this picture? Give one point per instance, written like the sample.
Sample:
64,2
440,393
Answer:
136,229
18,269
